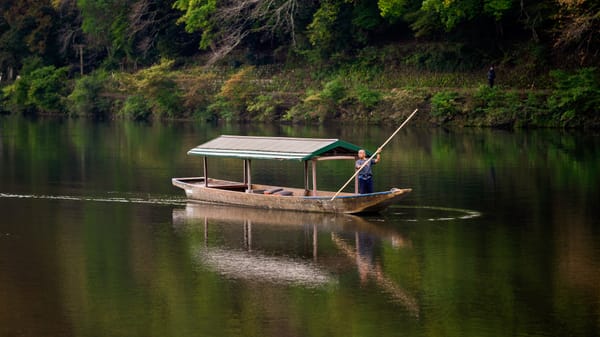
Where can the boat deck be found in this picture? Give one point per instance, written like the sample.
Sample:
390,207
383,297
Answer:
256,188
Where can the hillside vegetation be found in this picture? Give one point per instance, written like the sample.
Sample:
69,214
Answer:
310,61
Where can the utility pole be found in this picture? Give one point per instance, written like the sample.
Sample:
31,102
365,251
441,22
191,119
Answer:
80,52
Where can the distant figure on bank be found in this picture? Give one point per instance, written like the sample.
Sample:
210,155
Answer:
491,76
365,176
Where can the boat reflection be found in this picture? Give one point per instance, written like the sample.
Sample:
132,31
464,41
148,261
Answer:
282,247
193,213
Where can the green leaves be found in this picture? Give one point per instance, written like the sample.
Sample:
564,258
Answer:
87,96
43,90
444,104
497,8
106,27
197,17
453,12
575,94
197,13
392,9
321,30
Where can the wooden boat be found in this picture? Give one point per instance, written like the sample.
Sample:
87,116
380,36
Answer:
305,150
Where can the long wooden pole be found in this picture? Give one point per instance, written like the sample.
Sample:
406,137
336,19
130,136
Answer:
376,152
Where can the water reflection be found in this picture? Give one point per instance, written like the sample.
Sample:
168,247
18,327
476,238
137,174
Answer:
90,244
369,268
237,252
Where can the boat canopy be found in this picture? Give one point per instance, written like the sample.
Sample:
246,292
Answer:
282,148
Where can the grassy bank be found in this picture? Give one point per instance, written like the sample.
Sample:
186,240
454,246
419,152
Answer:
368,89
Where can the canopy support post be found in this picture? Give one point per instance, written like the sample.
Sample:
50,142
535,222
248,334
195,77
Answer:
306,181
249,174
205,165
314,176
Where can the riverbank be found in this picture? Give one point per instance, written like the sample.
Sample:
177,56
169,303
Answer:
372,92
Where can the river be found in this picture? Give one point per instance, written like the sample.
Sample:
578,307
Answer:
500,236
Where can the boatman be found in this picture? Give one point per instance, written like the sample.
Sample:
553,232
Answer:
365,176
491,75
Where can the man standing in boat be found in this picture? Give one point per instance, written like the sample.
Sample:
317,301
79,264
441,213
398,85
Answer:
365,176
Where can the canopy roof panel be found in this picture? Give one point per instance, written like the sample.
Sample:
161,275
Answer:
249,147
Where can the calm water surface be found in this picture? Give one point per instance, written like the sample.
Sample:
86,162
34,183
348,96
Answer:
500,237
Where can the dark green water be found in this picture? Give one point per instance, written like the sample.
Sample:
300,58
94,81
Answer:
501,237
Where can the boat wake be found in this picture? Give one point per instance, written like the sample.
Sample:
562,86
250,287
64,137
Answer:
399,212
431,213
147,199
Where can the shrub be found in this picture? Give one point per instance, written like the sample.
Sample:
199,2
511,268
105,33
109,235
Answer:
197,93
47,90
42,89
15,96
367,98
489,99
575,95
136,107
334,91
444,104
222,108
326,104
166,99
311,108
265,107
87,98
158,86
234,96
484,97
397,103
442,57
535,111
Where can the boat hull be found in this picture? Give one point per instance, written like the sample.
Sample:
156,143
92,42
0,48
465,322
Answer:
233,193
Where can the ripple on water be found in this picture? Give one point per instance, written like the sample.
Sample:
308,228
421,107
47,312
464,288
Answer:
431,213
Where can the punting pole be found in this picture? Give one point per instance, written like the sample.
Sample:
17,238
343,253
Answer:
375,154
314,177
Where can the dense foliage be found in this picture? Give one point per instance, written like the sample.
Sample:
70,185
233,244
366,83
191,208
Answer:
351,50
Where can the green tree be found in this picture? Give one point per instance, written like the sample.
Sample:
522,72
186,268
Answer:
154,31
47,89
26,29
197,18
392,9
578,24
576,94
224,25
342,26
105,24
322,28
87,97
451,13
40,89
